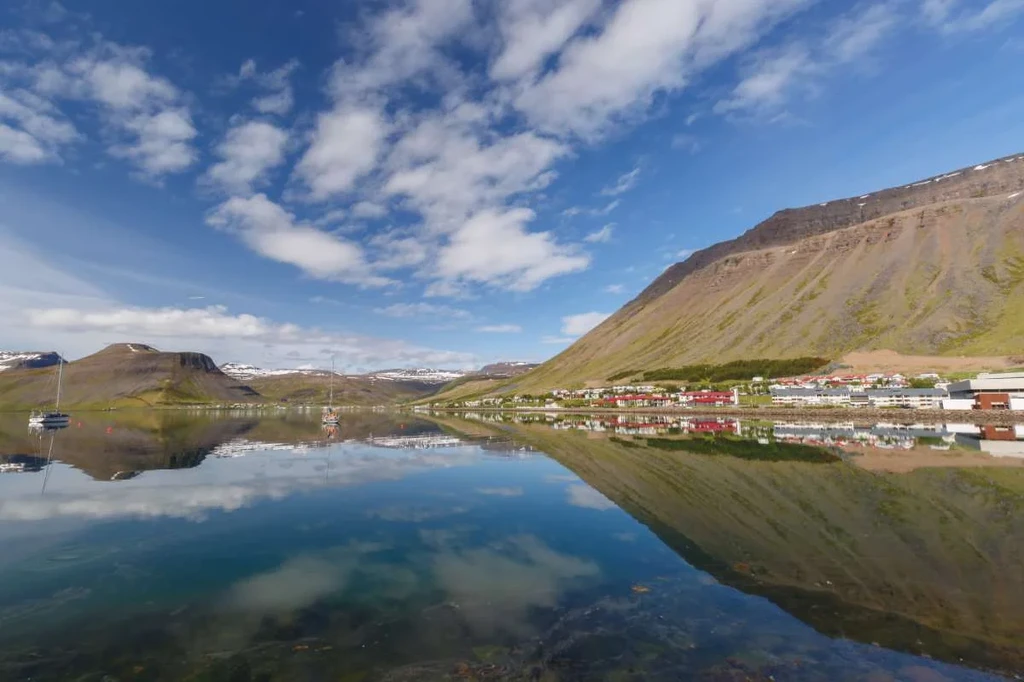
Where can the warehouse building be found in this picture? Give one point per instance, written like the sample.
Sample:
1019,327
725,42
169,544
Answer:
991,391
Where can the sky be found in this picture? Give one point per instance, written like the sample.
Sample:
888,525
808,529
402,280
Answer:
446,183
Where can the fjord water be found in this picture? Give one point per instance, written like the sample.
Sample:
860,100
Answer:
169,546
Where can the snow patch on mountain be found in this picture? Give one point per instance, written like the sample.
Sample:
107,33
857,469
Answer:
12,359
237,370
426,376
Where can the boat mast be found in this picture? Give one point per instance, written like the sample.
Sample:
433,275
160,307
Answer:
331,399
60,377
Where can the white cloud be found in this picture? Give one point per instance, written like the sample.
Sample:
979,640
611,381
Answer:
578,325
645,47
278,97
614,289
249,151
857,33
402,43
407,310
369,209
17,146
683,254
995,14
772,76
533,30
154,126
237,336
274,233
345,147
500,329
40,130
494,248
768,81
625,183
596,212
601,236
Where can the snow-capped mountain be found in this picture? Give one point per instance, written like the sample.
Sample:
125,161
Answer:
244,372
237,370
12,359
425,376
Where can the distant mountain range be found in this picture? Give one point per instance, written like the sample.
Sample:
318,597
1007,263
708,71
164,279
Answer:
137,375
932,268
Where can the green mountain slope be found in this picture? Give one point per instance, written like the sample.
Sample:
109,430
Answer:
314,389
934,268
124,375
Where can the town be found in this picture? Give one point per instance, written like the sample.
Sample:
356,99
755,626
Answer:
929,391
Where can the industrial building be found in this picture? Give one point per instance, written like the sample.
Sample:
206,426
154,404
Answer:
988,392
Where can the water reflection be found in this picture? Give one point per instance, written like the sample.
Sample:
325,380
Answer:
397,547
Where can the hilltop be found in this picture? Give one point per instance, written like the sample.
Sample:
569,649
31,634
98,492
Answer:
932,268
125,375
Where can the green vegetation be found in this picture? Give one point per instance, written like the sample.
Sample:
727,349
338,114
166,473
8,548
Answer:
746,449
738,370
623,374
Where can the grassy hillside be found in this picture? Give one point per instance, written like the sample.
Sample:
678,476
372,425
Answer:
925,562
124,375
940,280
314,389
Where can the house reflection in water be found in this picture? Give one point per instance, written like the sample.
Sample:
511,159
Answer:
998,441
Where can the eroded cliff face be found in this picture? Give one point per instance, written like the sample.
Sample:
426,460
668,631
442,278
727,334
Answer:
995,178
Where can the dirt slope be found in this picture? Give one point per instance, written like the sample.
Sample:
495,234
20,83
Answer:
935,268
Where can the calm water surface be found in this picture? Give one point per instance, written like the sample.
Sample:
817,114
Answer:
168,546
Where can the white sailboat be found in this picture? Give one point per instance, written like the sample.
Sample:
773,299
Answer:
56,418
330,417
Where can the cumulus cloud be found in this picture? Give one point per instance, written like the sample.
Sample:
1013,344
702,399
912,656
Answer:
578,325
34,130
344,147
494,248
533,30
273,232
645,47
248,151
278,97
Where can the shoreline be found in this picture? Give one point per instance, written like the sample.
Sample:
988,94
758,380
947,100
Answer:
828,414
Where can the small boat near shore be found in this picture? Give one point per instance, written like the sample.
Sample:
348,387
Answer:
53,418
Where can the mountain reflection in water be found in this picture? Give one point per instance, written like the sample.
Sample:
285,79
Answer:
169,546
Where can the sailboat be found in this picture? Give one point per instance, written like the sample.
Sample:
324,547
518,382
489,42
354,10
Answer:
330,415
56,418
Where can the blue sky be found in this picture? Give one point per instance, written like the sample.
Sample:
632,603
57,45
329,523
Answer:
446,182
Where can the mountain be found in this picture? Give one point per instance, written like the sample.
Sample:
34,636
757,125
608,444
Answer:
10,359
507,369
125,375
437,377
242,372
933,268
314,389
